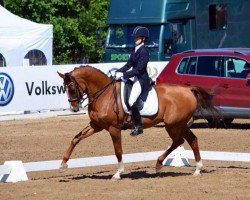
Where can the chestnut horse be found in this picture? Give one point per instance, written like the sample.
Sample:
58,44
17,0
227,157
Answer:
177,105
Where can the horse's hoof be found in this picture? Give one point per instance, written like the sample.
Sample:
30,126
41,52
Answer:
197,173
63,168
116,177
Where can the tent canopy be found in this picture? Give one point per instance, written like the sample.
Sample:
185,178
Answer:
19,36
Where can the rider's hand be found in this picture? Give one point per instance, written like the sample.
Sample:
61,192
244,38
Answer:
118,75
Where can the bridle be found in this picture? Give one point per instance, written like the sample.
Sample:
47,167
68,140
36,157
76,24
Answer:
81,94
78,89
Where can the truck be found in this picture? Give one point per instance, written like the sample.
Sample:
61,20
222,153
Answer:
176,26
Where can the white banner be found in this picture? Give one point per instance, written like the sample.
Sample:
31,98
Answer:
38,88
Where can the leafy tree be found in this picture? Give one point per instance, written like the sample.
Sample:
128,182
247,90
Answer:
74,25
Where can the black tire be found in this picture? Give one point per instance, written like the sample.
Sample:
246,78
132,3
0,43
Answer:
223,123
212,123
228,122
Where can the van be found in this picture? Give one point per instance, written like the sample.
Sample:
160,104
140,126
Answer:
175,26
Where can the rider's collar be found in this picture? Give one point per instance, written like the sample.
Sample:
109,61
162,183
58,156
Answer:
138,46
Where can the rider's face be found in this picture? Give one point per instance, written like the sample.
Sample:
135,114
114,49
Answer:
138,40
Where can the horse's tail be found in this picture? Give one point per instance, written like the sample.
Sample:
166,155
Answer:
204,100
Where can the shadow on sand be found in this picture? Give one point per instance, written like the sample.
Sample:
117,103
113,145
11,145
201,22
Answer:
139,173
134,175
244,126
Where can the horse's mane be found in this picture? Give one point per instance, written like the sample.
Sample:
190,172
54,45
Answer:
91,68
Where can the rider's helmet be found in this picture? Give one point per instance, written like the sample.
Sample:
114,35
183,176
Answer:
141,31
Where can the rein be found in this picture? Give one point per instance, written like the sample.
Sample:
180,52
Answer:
115,97
96,95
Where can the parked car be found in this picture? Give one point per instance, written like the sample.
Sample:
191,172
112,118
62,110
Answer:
225,73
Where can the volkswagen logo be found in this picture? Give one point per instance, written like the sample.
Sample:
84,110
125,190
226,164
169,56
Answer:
6,89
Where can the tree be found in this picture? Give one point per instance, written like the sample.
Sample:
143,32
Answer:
74,25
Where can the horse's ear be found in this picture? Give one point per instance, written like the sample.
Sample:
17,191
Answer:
61,75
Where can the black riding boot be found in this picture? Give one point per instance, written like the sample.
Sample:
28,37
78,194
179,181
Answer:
137,121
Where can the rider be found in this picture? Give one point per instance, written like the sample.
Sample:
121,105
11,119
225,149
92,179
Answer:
138,61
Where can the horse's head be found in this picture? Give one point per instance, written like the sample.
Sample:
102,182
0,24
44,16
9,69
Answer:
74,91
83,80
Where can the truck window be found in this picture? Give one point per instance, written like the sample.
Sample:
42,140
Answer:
168,39
2,61
218,16
120,36
209,65
173,35
236,67
178,33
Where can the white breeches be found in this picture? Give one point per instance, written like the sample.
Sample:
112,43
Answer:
135,93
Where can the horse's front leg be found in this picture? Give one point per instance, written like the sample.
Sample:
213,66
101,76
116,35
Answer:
116,138
86,132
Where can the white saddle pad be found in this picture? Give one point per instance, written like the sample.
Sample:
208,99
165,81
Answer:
150,106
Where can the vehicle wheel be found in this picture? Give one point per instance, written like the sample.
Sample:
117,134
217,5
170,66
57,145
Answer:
227,122
221,123
212,123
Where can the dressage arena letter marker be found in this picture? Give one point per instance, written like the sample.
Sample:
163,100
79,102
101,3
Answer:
13,172
177,158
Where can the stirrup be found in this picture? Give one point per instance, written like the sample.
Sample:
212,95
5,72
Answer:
136,131
126,125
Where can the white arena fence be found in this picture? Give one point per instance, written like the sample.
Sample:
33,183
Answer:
14,171
38,88
133,157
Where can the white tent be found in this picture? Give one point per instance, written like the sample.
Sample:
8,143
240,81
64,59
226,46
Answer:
19,36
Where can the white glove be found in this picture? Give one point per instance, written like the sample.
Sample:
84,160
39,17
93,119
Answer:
112,73
118,75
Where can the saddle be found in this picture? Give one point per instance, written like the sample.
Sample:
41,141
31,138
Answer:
147,108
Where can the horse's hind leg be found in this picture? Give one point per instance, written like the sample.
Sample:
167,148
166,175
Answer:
193,142
86,132
175,134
